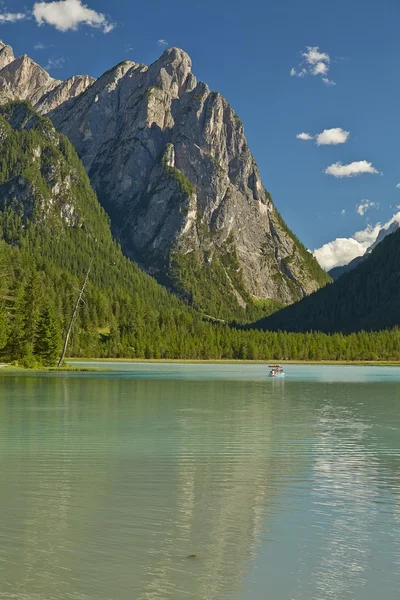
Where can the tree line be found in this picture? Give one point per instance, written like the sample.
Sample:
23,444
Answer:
37,302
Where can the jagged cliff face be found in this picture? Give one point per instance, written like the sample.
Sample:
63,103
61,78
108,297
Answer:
171,165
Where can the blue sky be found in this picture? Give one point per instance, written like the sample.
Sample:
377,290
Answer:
246,50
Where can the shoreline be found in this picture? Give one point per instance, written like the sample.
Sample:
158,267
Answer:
370,363
72,368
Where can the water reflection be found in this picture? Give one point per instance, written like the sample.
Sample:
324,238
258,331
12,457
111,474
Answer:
108,484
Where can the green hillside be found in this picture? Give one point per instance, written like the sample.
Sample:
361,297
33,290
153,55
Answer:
367,298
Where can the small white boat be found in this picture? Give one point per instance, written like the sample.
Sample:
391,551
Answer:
276,371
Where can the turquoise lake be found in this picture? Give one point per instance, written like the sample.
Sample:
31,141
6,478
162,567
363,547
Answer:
283,489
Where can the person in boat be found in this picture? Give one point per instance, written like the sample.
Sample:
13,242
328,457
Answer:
275,370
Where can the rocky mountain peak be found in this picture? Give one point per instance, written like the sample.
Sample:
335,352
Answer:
173,72
24,79
6,55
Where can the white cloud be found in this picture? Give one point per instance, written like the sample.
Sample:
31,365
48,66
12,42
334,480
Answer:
398,185
343,211
365,205
41,46
339,252
55,63
343,250
162,43
313,56
304,136
350,170
12,17
320,69
314,62
70,14
332,137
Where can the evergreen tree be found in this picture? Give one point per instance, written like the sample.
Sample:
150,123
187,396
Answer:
3,312
47,342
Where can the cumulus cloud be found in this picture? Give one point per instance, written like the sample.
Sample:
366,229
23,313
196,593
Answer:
398,185
355,168
343,211
304,136
365,205
332,137
162,43
320,69
343,250
12,17
328,137
313,56
314,62
70,14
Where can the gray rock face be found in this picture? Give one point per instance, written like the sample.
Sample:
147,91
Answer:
23,79
6,55
171,165
63,92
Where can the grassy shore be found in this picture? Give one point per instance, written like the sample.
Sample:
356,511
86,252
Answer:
67,369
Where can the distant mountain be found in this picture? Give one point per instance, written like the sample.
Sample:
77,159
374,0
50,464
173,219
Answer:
368,297
337,272
170,164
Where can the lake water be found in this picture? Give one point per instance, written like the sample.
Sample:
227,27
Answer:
283,489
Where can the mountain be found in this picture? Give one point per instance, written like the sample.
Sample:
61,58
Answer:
170,164
366,298
337,272
51,228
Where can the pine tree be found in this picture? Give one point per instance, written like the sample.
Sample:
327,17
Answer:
47,339
33,298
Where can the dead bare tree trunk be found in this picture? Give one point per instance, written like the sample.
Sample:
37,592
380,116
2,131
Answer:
74,314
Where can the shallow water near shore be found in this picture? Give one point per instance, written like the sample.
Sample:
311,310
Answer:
283,489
